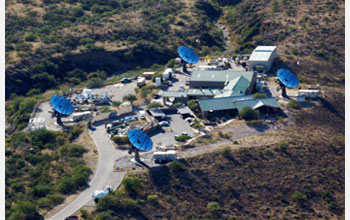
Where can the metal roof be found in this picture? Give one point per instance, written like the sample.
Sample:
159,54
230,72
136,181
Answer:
174,94
262,53
184,110
256,103
238,85
204,92
236,102
219,75
157,113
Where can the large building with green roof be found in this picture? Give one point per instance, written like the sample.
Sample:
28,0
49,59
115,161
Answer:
222,91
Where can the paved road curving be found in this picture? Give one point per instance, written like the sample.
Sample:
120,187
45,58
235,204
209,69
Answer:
104,175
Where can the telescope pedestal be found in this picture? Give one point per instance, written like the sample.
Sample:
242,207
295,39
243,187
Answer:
184,68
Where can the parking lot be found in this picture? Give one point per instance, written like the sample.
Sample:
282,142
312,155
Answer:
176,127
116,91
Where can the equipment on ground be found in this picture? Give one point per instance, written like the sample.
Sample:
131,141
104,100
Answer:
287,79
61,106
187,55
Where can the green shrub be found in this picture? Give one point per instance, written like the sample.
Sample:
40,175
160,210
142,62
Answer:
154,105
248,113
176,166
105,109
299,198
259,95
132,184
214,208
116,103
256,123
226,152
293,104
129,98
72,150
74,132
94,83
120,139
182,138
43,137
177,105
193,105
152,197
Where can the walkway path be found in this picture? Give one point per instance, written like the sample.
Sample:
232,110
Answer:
104,175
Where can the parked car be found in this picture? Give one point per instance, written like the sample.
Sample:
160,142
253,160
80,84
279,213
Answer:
164,123
191,124
187,82
125,80
134,77
169,83
181,89
185,134
130,118
188,119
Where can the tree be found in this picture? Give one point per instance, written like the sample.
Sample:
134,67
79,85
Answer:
248,113
94,83
193,105
213,208
171,64
177,105
129,98
293,104
154,105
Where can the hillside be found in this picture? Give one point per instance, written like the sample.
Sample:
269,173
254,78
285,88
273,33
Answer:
286,174
49,40
309,31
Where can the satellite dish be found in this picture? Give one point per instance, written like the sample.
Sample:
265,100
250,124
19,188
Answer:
62,106
188,55
287,79
140,141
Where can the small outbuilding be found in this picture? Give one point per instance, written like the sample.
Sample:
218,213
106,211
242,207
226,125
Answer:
262,56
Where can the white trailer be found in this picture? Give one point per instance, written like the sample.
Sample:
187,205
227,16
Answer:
308,93
78,116
167,73
164,156
141,81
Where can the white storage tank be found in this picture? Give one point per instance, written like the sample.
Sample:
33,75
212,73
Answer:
158,81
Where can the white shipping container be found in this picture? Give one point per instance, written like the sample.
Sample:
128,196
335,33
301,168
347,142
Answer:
308,93
167,73
80,115
164,156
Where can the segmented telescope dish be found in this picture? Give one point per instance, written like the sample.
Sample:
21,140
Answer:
287,78
140,140
187,54
61,105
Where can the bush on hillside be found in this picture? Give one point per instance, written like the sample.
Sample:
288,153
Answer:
247,113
